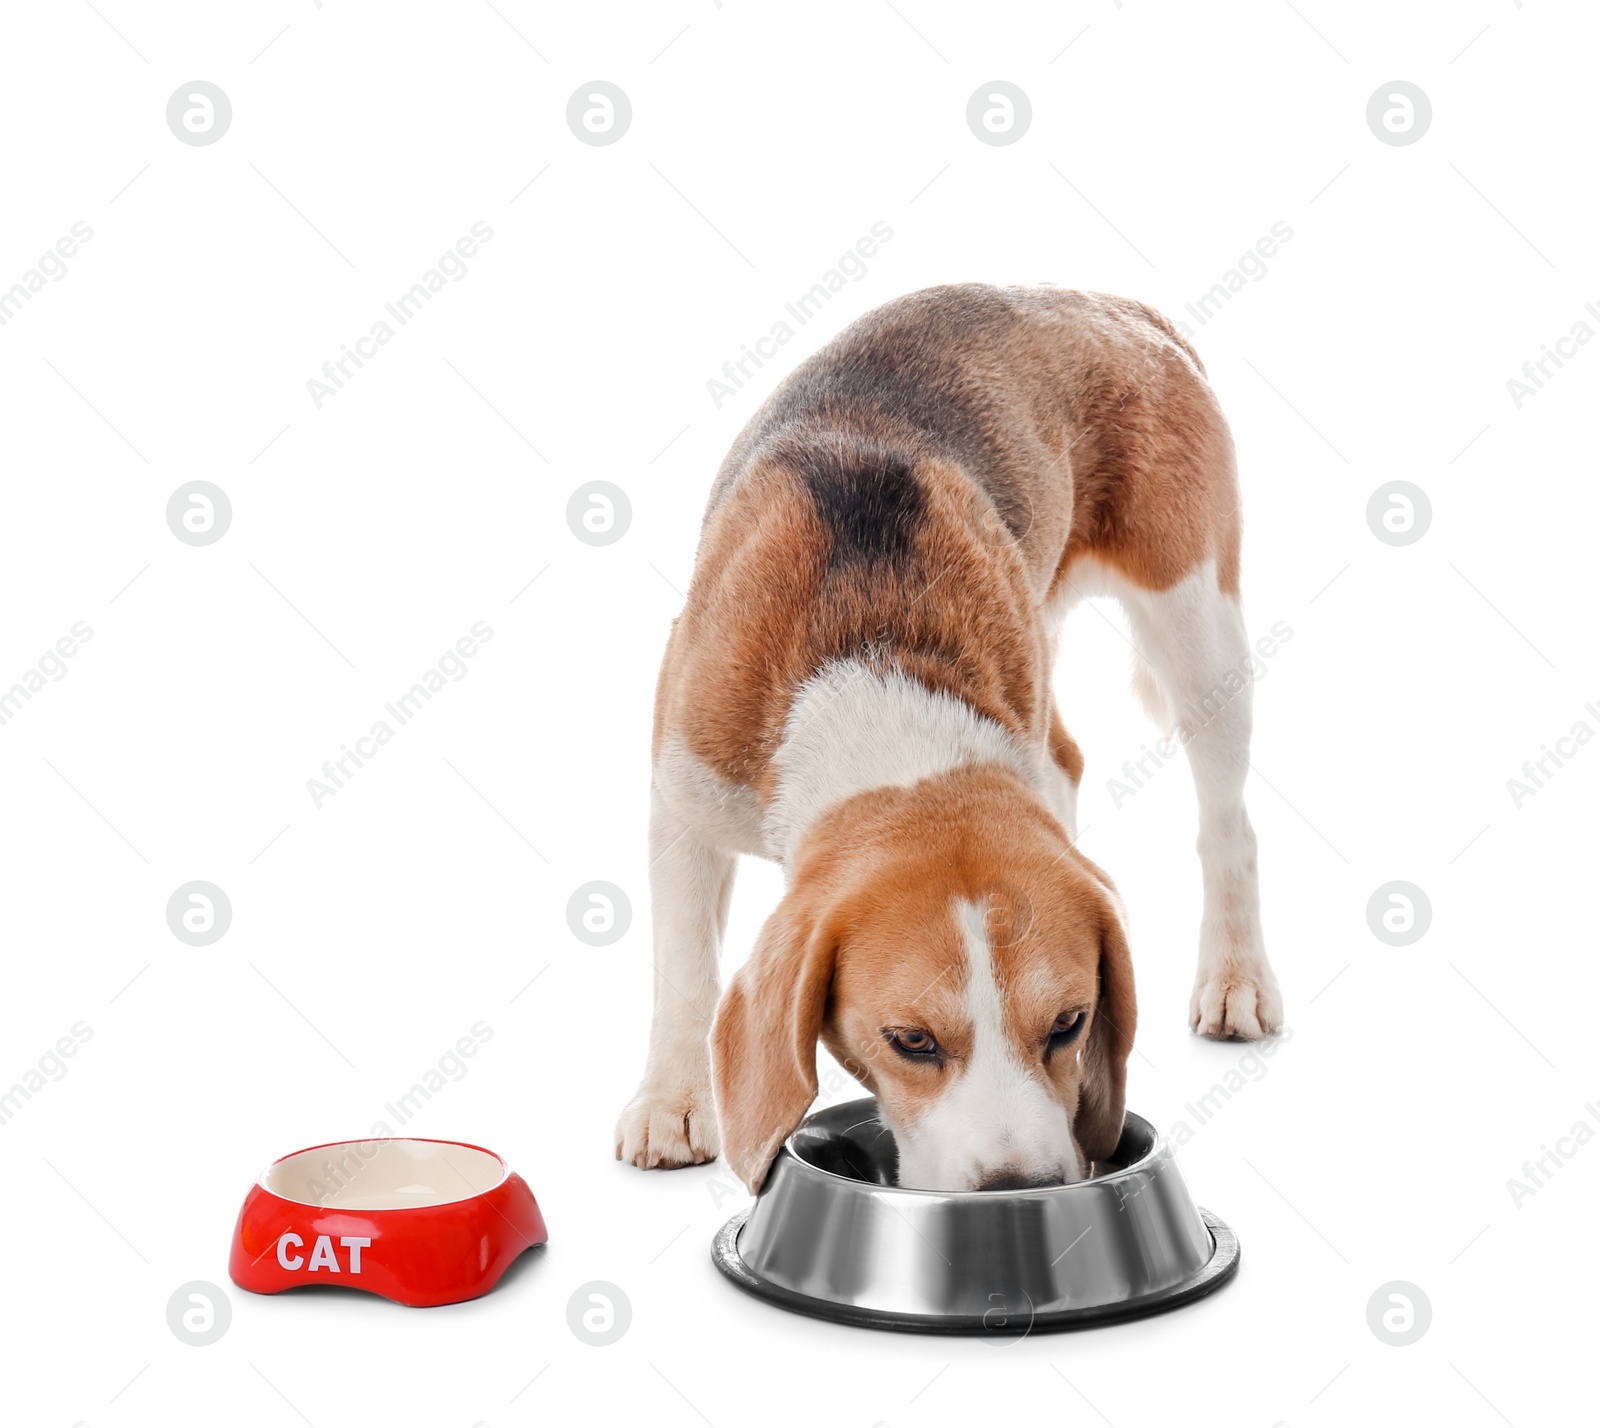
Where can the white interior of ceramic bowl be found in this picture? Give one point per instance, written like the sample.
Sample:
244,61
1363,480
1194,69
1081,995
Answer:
384,1174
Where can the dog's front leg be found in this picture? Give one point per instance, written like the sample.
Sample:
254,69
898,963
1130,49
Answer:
671,1120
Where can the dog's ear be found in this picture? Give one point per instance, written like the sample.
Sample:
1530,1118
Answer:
1105,1054
764,1038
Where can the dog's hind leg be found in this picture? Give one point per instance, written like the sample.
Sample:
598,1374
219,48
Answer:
672,1120
1193,638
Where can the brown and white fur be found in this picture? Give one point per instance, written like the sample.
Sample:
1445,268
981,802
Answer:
859,687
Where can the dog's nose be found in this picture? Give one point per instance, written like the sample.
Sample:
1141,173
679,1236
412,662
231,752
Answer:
1009,1177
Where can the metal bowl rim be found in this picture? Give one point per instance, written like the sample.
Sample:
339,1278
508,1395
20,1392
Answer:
1158,1146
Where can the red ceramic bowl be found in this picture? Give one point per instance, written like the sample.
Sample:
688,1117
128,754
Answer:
419,1221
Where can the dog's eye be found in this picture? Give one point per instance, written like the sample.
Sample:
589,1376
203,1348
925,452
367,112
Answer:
914,1043
1064,1030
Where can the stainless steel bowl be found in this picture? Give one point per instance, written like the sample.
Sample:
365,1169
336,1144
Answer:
832,1236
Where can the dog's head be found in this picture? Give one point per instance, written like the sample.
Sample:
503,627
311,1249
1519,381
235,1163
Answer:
959,958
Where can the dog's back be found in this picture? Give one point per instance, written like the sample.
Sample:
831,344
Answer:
1020,387
921,485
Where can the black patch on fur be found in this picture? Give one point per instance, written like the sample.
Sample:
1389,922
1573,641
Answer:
902,375
869,502
902,380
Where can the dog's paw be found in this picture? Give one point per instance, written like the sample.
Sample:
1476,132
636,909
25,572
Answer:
666,1126
1240,1003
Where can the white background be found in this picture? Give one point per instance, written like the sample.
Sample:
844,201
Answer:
369,535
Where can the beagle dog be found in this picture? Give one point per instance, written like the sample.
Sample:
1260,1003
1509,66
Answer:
859,687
